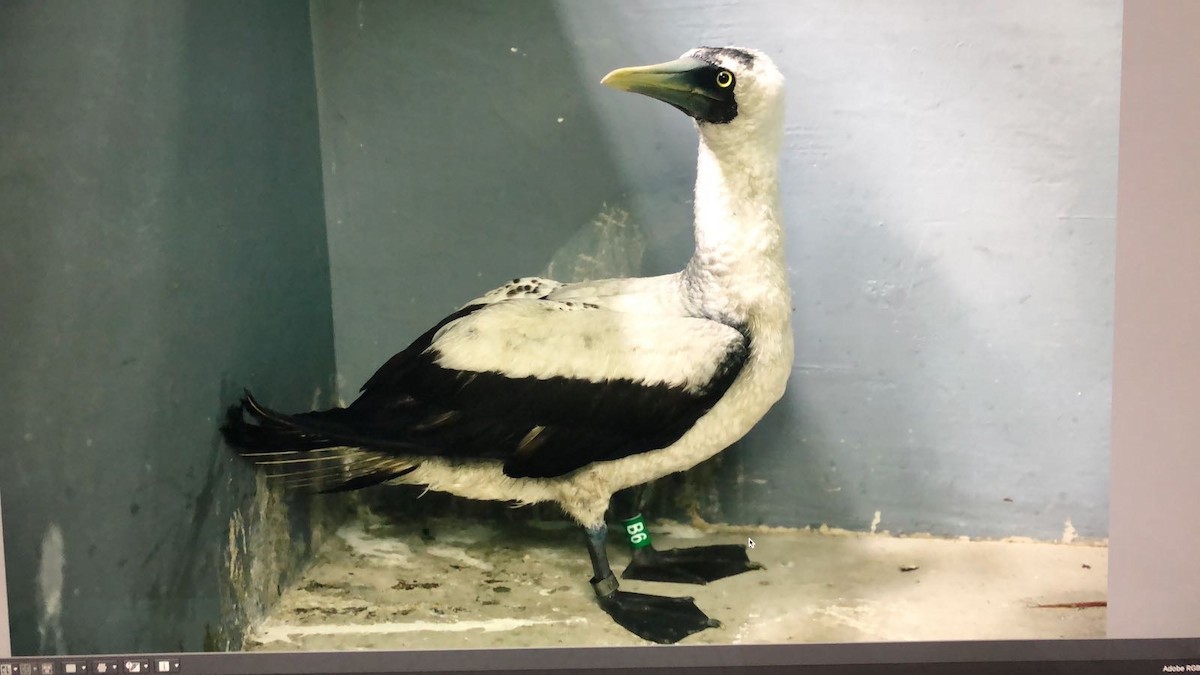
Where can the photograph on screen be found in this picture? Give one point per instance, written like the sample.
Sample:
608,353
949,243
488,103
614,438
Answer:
416,325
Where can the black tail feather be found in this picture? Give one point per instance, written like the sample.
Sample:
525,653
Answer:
284,443
269,431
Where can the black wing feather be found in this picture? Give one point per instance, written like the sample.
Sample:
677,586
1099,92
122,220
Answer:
539,427
470,415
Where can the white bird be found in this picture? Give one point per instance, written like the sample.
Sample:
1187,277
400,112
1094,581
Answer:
541,391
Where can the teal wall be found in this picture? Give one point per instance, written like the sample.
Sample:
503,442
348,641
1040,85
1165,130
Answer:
163,245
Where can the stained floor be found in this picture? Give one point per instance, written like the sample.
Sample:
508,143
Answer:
454,584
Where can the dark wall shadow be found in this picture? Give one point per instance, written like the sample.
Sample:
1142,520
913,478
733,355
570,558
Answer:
461,150
164,245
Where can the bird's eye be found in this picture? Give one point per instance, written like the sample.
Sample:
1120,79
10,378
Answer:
724,79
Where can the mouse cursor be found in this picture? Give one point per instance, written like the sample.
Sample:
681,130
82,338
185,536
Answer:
749,542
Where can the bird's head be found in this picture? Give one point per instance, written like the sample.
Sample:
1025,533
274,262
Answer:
729,91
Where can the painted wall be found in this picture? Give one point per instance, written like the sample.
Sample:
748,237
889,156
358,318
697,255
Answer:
164,245
949,187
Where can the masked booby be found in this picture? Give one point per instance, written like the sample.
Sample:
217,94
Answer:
570,392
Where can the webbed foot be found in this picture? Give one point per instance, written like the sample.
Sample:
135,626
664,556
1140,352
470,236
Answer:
653,617
698,565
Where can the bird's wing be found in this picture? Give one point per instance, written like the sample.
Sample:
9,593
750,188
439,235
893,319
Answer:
547,387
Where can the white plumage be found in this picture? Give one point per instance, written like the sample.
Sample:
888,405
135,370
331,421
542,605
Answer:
545,338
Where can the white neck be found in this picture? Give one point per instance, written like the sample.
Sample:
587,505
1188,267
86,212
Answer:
737,273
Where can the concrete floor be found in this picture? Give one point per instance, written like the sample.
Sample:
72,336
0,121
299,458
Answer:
454,584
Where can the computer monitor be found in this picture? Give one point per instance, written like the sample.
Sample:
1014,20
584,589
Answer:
206,197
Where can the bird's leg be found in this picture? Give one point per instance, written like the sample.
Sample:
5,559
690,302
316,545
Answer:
698,565
604,582
650,617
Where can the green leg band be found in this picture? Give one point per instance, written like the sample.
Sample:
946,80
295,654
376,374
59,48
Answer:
636,532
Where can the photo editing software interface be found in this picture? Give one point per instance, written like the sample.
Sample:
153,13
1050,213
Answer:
552,336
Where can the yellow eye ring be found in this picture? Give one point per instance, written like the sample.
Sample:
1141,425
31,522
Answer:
724,79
